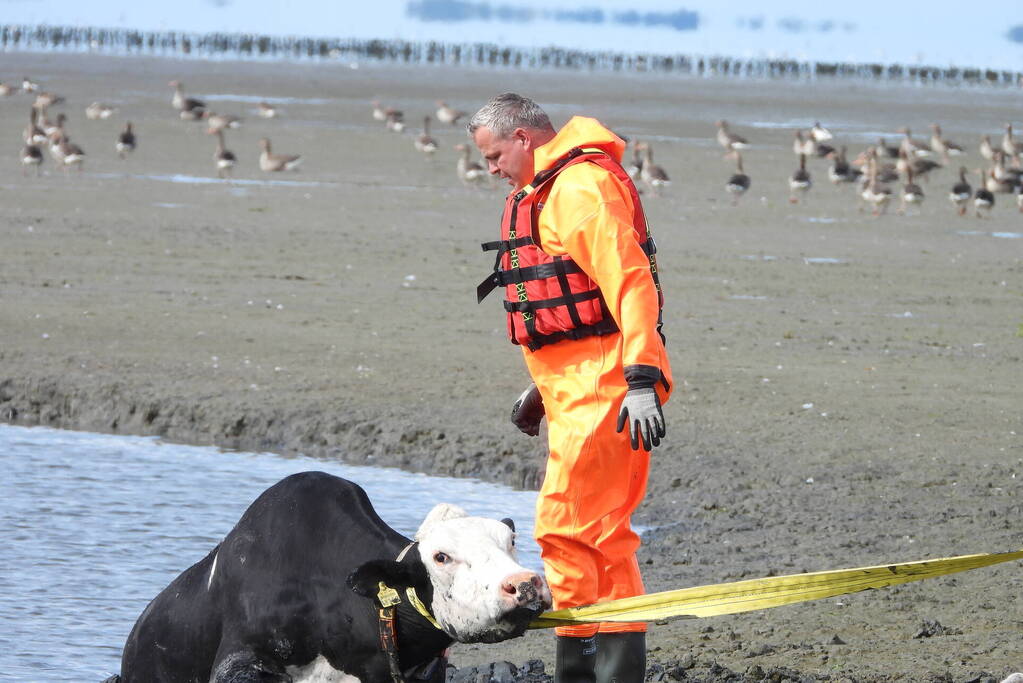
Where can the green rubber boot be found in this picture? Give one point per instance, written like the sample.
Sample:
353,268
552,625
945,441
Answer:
575,660
621,657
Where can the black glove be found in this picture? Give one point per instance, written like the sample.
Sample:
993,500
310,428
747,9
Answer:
528,411
641,407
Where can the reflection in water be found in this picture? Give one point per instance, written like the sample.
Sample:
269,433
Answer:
457,10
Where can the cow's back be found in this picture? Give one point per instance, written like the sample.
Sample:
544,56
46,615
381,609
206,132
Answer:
278,576
176,637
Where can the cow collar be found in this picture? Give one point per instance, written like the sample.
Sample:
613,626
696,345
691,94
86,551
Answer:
413,597
388,599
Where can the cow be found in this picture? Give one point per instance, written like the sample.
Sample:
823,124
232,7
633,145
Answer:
291,594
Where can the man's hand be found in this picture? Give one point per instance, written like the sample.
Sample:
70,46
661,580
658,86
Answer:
528,411
641,407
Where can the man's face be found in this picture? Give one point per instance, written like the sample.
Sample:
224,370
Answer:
510,157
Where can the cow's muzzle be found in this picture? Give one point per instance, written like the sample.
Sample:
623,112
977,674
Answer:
527,590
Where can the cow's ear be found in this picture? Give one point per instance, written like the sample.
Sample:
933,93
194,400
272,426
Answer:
365,579
439,513
509,522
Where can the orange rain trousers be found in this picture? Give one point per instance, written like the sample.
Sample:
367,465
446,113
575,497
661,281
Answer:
594,479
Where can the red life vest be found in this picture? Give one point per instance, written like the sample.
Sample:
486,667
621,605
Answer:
550,298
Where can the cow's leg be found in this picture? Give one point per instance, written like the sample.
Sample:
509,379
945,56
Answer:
239,665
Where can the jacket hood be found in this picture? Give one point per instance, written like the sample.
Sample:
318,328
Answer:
580,131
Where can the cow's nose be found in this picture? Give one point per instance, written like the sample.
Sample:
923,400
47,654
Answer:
525,588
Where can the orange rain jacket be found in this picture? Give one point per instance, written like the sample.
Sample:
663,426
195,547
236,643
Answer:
594,480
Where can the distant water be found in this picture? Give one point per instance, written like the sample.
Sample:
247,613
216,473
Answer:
866,31
93,526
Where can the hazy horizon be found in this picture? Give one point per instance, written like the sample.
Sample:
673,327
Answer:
864,32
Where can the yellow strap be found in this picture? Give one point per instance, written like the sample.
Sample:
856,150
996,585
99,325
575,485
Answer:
413,598
757,594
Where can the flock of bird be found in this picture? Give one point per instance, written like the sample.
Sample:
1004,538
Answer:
873,172
470,172
42,132
875,169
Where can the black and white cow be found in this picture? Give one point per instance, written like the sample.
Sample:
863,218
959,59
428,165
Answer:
274,602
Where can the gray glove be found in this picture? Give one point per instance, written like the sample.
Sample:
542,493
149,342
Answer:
527,411
642,408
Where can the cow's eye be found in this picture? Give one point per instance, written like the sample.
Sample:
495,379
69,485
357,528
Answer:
441,558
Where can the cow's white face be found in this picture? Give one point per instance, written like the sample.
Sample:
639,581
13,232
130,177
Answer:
480,591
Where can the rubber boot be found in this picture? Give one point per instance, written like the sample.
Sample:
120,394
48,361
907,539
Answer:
621,657
575,660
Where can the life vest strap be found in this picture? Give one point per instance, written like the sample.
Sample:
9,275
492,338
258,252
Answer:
504,245
600,329
531,306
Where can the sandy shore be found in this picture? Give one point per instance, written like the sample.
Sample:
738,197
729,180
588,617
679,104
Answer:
851,385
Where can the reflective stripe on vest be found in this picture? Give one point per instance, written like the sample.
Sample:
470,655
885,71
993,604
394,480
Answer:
550,298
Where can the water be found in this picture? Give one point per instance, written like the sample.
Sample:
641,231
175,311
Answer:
94,526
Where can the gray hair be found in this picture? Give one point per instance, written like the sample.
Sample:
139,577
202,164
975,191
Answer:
506,112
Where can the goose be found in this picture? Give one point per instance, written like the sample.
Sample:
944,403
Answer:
840,170
182,103
224,158
1001,173
31,155
55,130
98,110
961,192
379,113
637,162
191,114
912,194
729,140
884,150
56,152
215,122
983,199
803,146
28,85
739,182
266,110
919,167
68,153
270,162
34,135
913,148
1019,197
799,181
424,142
945,148
1004,183
653,176
819,133
987,150
874,191
125,141
446,114
5,90
395,120
46,99
469,172
1010,145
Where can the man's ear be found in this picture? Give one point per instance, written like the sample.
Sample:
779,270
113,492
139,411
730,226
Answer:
366,578
522,135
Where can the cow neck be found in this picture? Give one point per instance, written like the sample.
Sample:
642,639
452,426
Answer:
408,622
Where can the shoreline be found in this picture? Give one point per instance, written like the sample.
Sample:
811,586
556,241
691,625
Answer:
94,40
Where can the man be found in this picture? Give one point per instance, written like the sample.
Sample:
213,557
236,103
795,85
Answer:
583,301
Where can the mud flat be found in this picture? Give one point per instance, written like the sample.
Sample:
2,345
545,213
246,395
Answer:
851,389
